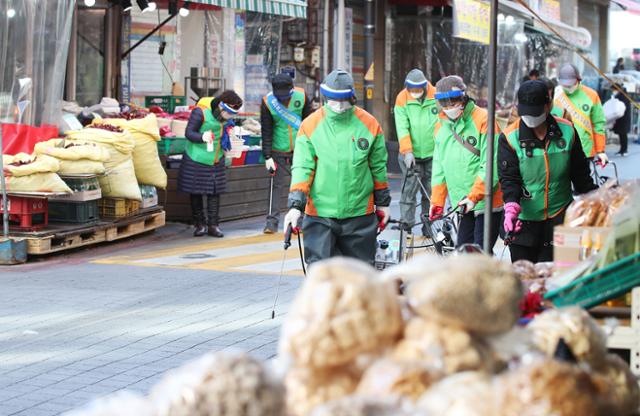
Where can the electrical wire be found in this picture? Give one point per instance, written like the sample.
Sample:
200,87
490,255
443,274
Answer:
162,56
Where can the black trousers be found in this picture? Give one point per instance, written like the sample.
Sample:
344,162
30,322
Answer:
212,216
624,141
281,182
329,237
535,241
471,229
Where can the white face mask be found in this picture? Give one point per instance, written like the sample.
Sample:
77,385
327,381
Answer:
570,90
417,95
534,121
453,113
339,106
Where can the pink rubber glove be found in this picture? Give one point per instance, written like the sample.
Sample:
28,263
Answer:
511,222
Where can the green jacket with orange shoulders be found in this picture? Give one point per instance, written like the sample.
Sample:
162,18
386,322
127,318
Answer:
415,122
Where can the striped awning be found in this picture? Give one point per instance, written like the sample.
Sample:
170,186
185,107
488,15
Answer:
292,8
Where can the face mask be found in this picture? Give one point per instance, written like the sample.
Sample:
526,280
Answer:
284,97
453,113
417,95
534,121
339,106
570,90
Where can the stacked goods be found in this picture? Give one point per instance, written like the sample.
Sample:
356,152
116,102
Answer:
343,312
143,129
596,209
26,173
75,157
349,348
119,180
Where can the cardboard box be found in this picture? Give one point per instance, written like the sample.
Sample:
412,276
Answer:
80,196
566,244
179,127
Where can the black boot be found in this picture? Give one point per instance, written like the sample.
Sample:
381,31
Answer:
197,210
213,216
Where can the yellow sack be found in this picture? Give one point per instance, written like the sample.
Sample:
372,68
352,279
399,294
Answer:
81,167
120,179
63,149
38,182
23,164
145,134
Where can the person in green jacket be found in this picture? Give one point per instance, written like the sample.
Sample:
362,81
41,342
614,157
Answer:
459,162
339,177
540,160
582,106
281,114
416,115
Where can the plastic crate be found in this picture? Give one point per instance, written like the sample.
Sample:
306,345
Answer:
82,184
172,145
74,212
167,102
600,286
118,207
253,157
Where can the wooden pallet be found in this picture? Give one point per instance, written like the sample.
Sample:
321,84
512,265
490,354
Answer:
70,237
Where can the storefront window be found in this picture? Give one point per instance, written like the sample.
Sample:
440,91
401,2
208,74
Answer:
90,56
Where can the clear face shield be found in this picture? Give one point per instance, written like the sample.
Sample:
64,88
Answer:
452,103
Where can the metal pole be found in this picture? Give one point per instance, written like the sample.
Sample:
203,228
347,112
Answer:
325,40
5,208
488,183
341,62
369,34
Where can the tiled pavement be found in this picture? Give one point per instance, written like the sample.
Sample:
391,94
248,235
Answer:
70,333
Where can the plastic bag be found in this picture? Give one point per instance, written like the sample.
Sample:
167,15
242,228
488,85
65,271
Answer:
463,394
20,138
23,164
146,161
122,403
120,179
613,110
597,208
308,387
398,379
366,406
549,387
474,292
220,384
449,349
343,309
578,330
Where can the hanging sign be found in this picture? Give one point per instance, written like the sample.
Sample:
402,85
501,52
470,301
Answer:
471,20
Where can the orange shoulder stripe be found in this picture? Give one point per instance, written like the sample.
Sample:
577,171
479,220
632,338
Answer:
512,127
563,121
436,128
369,121
310,123
593,96
479,117
402,98
431,91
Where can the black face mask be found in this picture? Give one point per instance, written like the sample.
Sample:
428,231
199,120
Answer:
284,97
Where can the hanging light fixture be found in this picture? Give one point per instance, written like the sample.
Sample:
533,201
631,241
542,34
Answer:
152,6
89,3
184,10
11,13
144,5
126,5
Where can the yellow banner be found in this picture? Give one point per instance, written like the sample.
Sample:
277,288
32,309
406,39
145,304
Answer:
471,20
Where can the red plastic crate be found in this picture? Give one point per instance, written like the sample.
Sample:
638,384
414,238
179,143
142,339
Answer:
27,213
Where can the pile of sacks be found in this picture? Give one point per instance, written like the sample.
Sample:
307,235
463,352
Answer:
351,346
74,157
31,173
132,154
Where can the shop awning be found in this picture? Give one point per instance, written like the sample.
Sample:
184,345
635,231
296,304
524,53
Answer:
292,8
628,5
